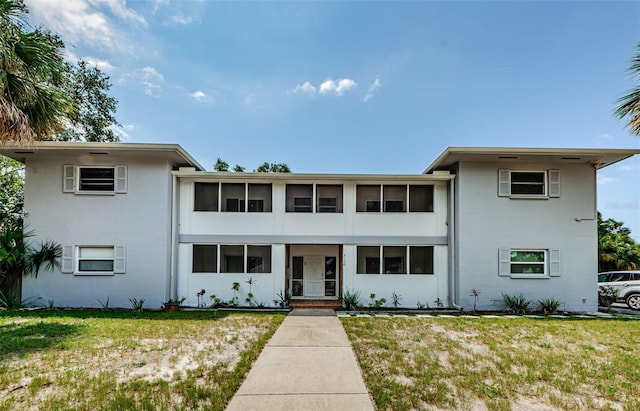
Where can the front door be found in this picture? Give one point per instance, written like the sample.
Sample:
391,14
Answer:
314,276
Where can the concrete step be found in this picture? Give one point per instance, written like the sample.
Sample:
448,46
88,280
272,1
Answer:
317,304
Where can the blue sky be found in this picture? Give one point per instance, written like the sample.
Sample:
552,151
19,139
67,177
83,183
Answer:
363,87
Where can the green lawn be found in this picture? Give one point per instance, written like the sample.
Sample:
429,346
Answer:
117,360
498,364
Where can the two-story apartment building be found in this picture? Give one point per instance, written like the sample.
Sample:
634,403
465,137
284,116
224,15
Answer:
146,221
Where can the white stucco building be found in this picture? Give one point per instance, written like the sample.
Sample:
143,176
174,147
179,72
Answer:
146,221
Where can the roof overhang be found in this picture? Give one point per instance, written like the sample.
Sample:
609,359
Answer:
312,178
598,157
173,153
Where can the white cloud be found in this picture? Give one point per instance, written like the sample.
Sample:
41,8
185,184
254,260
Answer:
158,3
338,87
119,9
605,136
305,88
602,180
373,88
628,168
201,96
82,21
102,65
122,131
151,80
182,19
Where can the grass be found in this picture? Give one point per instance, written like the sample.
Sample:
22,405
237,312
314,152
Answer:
498,364
107,360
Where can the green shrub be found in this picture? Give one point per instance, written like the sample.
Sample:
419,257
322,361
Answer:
517,304
549,305
350,299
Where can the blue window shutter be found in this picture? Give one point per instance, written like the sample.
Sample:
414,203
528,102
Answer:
68,179
504,256
554,263
504,183
67,260
120,179
554,183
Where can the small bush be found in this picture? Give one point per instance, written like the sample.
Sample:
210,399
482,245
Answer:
395,299
517,304
607,295
136,305
350,299
549,305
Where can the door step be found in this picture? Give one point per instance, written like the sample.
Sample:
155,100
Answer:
320,304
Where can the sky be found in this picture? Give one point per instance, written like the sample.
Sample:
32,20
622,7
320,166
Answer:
363,87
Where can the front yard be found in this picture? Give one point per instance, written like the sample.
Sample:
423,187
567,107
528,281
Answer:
107,360
498,363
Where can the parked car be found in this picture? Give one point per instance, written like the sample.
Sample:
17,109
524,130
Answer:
627,283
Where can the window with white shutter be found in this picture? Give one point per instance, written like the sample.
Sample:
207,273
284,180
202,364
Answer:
529,263
527,184
94,179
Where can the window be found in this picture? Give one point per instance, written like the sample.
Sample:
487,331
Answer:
330,276
205,197
529,263
528,184
94,179
421,260
232,259
329,198
369,260
394,259
205,258
394,198
259,259
95,259
297,283
259,200
368,198
299,198
232,195
97,179
302,205
421,198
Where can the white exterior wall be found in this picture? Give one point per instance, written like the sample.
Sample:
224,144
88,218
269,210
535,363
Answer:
279,228
138,220
485,223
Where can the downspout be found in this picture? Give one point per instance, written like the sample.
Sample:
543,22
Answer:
174,235
452,246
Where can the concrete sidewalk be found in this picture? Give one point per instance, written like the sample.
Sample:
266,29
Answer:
307,365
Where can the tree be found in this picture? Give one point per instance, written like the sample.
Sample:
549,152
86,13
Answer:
238,169
93,110
11,193
221,165
273,168
32,103
629,105
18,257
616,249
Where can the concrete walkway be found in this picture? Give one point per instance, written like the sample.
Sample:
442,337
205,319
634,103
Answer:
307,365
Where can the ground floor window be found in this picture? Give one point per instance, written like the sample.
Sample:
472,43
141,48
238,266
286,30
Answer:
233,258
95,259
395,259
529,263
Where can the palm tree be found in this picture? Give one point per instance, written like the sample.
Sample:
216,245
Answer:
629,105
32,105
18,257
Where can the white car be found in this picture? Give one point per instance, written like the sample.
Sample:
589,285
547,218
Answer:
627,283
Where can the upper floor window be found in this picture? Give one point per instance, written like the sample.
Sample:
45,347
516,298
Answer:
528,184
94,179
300,198
234,197
394,198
